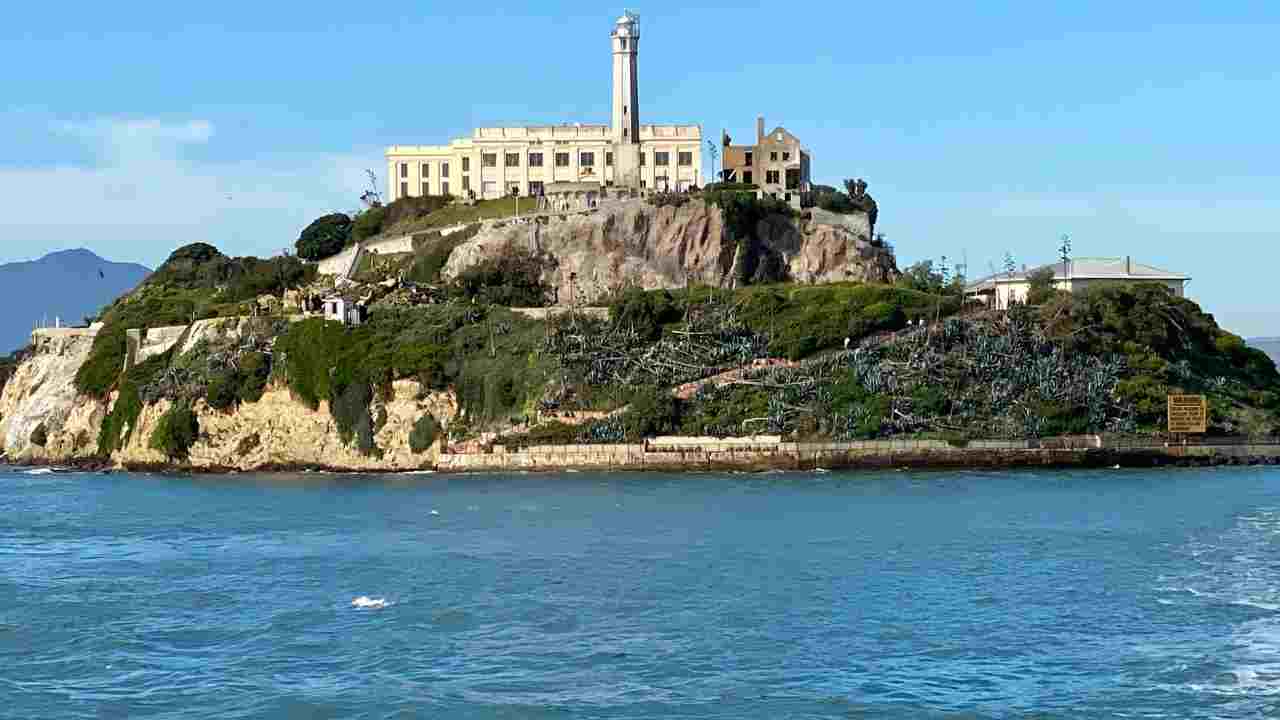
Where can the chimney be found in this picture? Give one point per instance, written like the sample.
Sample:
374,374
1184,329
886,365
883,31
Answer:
1128,265
759,129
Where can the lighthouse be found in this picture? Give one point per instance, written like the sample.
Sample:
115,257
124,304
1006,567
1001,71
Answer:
625,125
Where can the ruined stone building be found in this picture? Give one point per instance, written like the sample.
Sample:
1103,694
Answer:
777,164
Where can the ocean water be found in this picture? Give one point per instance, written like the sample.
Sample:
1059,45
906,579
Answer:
1106,594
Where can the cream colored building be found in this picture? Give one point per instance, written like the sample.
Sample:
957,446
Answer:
496,161
1004,289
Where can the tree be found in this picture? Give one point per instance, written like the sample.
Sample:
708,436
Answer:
325,236
923,277
1041,290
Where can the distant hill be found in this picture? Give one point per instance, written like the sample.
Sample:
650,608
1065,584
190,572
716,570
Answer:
70,285
1270,346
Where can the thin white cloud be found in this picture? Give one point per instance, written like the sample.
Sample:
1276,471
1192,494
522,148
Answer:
145,197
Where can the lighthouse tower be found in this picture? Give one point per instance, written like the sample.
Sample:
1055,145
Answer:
625,125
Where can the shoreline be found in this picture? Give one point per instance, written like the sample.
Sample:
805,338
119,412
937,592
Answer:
792,458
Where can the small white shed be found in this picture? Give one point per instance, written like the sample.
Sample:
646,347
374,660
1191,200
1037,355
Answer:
340,309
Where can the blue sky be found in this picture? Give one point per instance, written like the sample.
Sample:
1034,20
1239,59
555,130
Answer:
1147,129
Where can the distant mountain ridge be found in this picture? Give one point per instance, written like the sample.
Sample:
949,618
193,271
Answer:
69,284
1268,345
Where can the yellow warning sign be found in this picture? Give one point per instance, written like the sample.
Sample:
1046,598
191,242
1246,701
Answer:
1188,414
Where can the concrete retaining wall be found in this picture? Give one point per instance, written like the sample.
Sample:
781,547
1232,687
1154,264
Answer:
146,344
689,454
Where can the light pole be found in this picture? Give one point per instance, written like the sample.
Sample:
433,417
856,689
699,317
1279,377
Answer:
714,152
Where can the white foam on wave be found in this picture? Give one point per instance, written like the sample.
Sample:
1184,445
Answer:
364,602
39,471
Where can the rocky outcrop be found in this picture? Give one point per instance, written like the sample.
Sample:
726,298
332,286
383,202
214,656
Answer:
277,432
42,394
44,420
634,243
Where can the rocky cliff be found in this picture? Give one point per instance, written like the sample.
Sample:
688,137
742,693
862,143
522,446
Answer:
279,432
44,420
634,243
42,417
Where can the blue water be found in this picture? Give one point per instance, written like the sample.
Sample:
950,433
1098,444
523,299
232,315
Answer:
947,595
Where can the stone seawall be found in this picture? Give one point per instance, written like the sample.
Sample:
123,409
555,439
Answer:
867,454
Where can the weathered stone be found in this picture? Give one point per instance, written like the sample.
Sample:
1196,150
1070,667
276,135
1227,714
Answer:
42,392
635,244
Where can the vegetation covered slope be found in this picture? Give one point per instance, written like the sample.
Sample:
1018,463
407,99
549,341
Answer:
1099,362
196,282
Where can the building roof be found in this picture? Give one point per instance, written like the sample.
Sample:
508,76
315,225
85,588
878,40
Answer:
1100,268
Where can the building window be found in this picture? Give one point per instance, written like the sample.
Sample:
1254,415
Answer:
444,169
748,160
642,162
786,156
404,170
404,189
608,159
489,160
426,188
746,176
586,159
466,164
444,188
426,170
535,159
771,177
643,184
661,159
466,183
793,178
773,157
562,159
514,190
787,197
535,188
512,160
684,159
624,133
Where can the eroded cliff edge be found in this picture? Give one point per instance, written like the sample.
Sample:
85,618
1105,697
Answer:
635,244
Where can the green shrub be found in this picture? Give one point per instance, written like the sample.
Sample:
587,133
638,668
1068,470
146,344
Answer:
350,404
652,412
325,236
513,279
432,254
176,432
368,224
220,393
424,434
646,312
1041,288
119,424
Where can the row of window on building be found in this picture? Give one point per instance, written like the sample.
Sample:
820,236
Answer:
535,187
585,159
749,158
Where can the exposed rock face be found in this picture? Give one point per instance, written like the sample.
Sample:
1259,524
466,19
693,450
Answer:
277,431
633,243
42,393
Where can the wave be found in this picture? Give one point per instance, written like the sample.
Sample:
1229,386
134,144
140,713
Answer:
364,602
